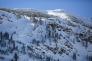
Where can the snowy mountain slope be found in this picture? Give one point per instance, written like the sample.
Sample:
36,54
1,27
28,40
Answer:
67,16
30,35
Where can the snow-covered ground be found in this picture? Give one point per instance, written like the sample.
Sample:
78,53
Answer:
30,35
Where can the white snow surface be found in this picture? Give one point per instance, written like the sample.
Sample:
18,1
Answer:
27,32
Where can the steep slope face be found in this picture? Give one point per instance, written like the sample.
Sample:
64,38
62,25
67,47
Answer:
35,36
67,16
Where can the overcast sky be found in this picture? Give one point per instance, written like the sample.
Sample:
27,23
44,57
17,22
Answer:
81,8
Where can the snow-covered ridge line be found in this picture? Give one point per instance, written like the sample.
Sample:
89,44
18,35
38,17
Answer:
67,16
28,12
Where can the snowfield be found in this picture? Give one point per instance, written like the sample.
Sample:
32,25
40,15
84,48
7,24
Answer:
52,35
